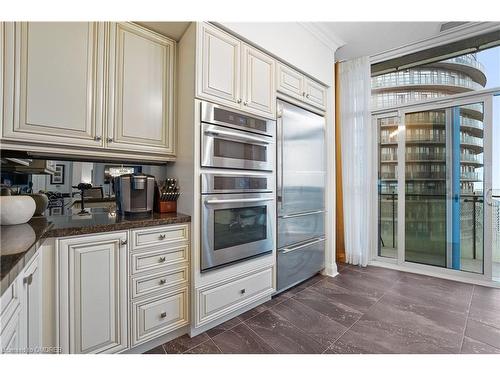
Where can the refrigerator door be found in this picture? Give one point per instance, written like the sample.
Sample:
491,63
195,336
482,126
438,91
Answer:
301,160
300,262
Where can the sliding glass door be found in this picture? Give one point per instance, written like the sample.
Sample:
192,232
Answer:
434,168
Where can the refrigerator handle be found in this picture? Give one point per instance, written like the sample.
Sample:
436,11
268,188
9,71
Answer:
279,169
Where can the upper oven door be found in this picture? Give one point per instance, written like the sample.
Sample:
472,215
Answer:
217,115
230,148
235,227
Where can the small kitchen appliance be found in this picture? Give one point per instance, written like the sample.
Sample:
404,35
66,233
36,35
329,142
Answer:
134,193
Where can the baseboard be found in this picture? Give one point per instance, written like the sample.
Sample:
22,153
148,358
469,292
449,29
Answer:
153,343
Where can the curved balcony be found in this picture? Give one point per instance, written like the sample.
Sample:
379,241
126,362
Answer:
466,64
471,159
435,79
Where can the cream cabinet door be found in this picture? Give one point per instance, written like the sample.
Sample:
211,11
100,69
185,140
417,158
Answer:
141,100
314,94
32,305
258,82
289,81
53,82
93,293
219,66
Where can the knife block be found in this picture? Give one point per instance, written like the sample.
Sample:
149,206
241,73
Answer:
167,206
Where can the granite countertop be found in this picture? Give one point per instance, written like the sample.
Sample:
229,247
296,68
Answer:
20,242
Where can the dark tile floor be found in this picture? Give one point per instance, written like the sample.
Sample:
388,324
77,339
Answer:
362,310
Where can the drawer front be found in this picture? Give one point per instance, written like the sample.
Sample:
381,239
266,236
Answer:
315,94
289,81
218,300
144,238
158,282
152,260
159,315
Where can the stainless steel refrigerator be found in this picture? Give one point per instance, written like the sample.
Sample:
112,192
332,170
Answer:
301,178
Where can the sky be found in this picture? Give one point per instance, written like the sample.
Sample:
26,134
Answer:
490,58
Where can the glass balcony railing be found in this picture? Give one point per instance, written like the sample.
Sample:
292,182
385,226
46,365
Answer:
471,158
436,175
420,78
471,123
469,176
470,140
424,156
468,60
388,157
440,138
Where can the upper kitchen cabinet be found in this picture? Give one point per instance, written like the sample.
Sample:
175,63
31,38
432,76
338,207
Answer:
219,70
234,74
258,82
298,86
141,76
53,82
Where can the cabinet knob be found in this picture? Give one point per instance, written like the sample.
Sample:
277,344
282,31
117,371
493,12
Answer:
161,236
97,138
162,259
245,103
307,95
163,281
28,279
109,139
243,291
238,101
163,315
123,242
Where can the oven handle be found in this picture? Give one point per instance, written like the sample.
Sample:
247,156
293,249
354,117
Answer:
301,246
227,134
243,200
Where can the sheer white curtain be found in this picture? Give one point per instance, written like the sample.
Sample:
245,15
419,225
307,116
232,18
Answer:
357,145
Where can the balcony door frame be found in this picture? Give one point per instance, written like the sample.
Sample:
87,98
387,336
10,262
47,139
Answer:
446,103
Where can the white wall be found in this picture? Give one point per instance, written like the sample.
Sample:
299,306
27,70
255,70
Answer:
298,47
291,42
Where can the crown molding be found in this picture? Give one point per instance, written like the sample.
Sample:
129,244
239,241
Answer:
452,35
325,36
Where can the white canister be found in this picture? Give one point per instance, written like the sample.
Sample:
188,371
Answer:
16,209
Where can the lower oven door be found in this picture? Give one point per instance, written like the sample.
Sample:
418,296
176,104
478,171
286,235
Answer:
235,227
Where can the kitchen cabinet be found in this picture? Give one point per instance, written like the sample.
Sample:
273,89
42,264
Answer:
93,88
10,319
54,75
141,110
298,86
32,305
235,74
93,302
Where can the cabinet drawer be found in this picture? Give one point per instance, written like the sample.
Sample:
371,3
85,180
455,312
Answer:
289,81
159,315
315,94
143,238
159,281
152,260
218,300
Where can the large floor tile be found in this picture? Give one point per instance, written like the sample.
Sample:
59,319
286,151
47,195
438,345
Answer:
242,340
224,327
485,306
484,333
321,328
335,310
471,346
442,327
184,343
207,347
362,283
282,335
378,337
361,300
158,350
445,294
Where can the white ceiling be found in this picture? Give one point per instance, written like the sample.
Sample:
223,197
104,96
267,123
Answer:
369,38
173,30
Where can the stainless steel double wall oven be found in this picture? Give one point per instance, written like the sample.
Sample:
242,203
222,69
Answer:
237,186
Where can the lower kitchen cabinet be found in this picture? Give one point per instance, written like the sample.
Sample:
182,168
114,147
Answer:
93,293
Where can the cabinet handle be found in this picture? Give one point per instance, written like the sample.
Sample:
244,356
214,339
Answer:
97,138
28,279
110,139
238,101
163,281
307,95
243,291
245,103
304,93
163,315
162,237
123,242
162,259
